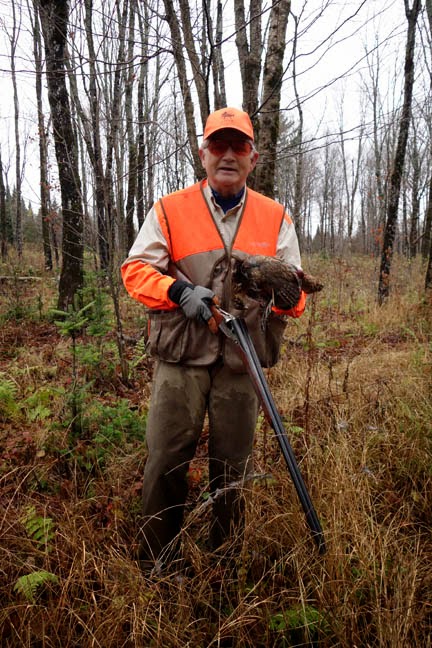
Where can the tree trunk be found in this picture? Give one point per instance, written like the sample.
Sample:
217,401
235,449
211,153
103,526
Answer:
218,64
376,215
142,115
249,55
426,248
93,142
427,229
113,130
415,201
3,228
270,103
177,46
350,184
132,145
54,19
428,278
298,143
200,70
18,206
399,159
43,146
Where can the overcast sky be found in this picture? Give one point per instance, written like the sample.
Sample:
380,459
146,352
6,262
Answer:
331,68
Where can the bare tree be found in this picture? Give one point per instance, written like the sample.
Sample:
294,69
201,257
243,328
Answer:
54,20
148,114
218,64
131,139
3,224
200,69
249,53
178,53
13,39
426,245
371,88
298,187
114,122
256,73
269,74
351,178
93,141
104,93
43,144
427,238
273,74
142,106
327,198
416,159
138,139
399,159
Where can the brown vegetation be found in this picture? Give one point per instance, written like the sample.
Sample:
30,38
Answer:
354,389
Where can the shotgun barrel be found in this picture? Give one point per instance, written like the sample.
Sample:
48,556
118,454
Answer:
236,329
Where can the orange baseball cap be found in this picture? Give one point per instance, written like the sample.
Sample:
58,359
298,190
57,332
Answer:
229,118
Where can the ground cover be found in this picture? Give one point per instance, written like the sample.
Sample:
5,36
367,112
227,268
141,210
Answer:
354,389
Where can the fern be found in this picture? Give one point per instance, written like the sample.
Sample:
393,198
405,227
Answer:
38,405
8,404
38,413
39,528
28,584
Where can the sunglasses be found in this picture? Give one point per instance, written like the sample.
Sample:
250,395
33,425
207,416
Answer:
221,146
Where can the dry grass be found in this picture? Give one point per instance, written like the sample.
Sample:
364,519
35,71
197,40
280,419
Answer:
354,388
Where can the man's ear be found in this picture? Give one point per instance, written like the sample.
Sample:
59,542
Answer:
201,154
254,159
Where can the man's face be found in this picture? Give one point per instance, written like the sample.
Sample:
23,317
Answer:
228,159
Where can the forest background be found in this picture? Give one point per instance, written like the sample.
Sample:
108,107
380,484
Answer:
102,110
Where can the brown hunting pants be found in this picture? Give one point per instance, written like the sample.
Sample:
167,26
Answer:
181,396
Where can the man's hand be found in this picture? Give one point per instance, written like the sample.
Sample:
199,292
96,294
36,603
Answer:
196,302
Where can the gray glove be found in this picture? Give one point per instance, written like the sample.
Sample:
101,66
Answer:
196,302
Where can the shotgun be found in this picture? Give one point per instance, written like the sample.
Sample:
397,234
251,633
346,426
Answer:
235,329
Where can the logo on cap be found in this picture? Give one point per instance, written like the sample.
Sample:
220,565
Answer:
228,115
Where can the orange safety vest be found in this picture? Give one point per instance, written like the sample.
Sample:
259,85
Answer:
188,226
198,254
195,244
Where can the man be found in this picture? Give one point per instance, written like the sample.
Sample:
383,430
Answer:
182,259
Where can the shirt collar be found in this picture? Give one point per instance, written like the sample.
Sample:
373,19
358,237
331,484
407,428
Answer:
226,204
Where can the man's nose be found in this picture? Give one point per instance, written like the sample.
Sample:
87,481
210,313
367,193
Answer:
229,152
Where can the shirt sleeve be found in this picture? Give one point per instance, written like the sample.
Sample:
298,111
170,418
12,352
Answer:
288,250
144,272
287,244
